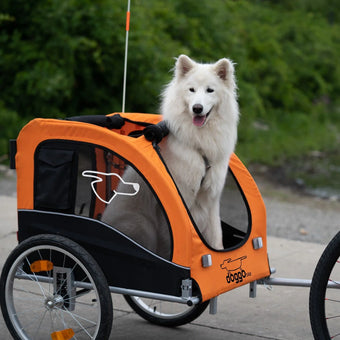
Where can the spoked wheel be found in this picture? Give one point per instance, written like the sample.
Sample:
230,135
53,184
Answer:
324,299
51,288
170,314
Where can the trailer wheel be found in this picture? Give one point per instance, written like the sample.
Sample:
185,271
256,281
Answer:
51,287
162,313
324,302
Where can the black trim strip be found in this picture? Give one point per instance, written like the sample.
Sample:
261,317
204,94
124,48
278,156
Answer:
137,122
12,152
124,262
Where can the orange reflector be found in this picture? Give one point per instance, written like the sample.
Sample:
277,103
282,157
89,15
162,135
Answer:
41,265
65,334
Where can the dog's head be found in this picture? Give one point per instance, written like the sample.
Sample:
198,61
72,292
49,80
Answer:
204,86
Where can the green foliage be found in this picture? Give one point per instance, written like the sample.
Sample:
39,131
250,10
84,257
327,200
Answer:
63,58
10,126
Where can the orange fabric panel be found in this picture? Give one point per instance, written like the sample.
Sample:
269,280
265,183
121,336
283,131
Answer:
138,151
231,269
101,186
141,117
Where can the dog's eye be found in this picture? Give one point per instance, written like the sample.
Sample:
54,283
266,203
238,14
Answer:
192,89
210,90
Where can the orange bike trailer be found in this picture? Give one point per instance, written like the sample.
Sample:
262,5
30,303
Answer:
63,182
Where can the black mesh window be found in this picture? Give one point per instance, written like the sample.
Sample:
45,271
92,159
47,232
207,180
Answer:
234,212
91,181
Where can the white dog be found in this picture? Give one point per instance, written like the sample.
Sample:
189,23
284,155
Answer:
201,111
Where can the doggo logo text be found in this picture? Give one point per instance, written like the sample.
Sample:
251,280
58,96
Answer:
235,271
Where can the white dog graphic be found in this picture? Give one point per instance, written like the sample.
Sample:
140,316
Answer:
132,188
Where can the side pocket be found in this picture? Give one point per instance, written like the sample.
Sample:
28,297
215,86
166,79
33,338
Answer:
55,179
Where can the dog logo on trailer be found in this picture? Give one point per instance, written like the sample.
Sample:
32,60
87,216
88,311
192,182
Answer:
130,188
235,271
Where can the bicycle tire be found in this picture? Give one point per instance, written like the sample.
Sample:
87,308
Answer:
58,301
151,310
324,302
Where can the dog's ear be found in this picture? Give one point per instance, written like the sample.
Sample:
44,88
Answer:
183,65
224,68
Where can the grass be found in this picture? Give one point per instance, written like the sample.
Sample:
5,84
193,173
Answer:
318,170
300,149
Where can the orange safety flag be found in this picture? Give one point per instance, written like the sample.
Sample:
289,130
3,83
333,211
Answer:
128,21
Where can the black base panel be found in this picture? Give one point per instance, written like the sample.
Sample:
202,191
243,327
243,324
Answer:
124,263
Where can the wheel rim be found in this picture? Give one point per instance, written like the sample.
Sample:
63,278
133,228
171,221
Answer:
332,303
40,308
162,309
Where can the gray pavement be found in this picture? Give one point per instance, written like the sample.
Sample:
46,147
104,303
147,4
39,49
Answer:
280,313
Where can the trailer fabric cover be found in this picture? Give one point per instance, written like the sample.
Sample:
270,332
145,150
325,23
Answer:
230,269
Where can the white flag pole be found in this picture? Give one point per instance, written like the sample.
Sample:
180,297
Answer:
126,53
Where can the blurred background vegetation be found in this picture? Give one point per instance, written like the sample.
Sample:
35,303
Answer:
62,58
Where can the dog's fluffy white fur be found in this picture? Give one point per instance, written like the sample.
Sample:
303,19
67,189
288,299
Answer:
201,111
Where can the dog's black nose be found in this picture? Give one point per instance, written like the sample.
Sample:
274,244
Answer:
197,108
